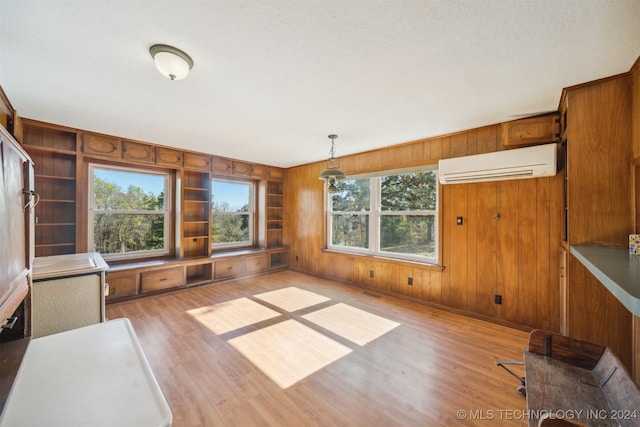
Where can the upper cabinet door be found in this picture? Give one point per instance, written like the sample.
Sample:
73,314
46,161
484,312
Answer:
101,145
530,131
15,227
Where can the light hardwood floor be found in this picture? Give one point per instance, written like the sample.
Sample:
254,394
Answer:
397,363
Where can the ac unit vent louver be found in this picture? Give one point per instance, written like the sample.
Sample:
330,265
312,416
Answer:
520,163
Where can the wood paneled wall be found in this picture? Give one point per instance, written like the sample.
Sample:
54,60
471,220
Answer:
635,124
515,256
600,208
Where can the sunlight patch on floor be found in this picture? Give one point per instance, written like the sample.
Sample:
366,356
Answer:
230,315
292,298
351,323
288,351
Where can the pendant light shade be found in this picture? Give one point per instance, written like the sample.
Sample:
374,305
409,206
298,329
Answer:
332,173
173,63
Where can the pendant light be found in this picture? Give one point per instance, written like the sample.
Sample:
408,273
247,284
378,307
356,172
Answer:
332,173
173,63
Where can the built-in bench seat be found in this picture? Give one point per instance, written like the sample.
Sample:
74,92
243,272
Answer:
137,278
573,382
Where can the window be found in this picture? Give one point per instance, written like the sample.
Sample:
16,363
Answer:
393,215
232,213
128,212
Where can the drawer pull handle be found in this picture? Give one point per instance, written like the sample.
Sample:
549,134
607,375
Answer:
11,322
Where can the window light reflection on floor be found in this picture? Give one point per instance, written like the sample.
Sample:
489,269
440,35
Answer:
230,315
290,351
292,298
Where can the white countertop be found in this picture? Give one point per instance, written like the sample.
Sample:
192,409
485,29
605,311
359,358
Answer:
93,376
68,265
616,269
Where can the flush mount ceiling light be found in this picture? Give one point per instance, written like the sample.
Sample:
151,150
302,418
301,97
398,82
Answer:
173,63
332,173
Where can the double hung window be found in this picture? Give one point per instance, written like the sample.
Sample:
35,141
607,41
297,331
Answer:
129,212
394,214
232,217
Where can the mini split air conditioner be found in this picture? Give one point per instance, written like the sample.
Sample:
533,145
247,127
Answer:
519,163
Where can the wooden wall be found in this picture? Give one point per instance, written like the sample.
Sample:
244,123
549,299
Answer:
515,256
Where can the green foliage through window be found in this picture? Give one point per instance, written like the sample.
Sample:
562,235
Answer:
393,215
128,211
232,213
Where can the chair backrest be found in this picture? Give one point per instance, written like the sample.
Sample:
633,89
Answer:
566,349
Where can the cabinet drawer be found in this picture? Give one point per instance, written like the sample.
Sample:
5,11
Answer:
228,268
161,279
122,285
257,264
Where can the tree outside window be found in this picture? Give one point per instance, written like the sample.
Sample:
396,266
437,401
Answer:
232,213
392,215
128,212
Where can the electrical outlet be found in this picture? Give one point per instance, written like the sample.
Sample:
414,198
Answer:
497,299
370,273
410,281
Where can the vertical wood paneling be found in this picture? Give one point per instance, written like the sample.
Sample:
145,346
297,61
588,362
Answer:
436,149
472,142
487,139
528,212
635,120
507,283
486,247
480,258
556,209
599,146
471,224
446,147
596,315
544,255
459,145
458,251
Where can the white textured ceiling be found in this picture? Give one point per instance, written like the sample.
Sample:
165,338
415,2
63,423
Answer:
272,78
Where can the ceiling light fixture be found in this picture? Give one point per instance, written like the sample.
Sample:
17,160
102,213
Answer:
332,173
173,63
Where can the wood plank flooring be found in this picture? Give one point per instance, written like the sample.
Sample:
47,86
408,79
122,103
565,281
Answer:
420,372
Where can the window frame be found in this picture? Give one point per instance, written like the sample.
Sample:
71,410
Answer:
251,213
168,211
375,214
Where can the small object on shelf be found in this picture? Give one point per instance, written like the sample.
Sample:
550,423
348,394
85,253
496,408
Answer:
634,244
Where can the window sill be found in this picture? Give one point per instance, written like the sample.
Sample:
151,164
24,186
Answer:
425,265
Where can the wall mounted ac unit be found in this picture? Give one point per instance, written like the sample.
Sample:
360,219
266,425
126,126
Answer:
519,163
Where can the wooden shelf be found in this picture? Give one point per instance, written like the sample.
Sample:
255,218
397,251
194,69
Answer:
196,217
31,148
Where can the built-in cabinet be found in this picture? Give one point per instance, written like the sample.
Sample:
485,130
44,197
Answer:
196,214
598,206
53,151
274,213
17,200
61,158
130,280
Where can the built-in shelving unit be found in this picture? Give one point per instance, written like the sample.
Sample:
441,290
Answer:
275,213
196,195
54,154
